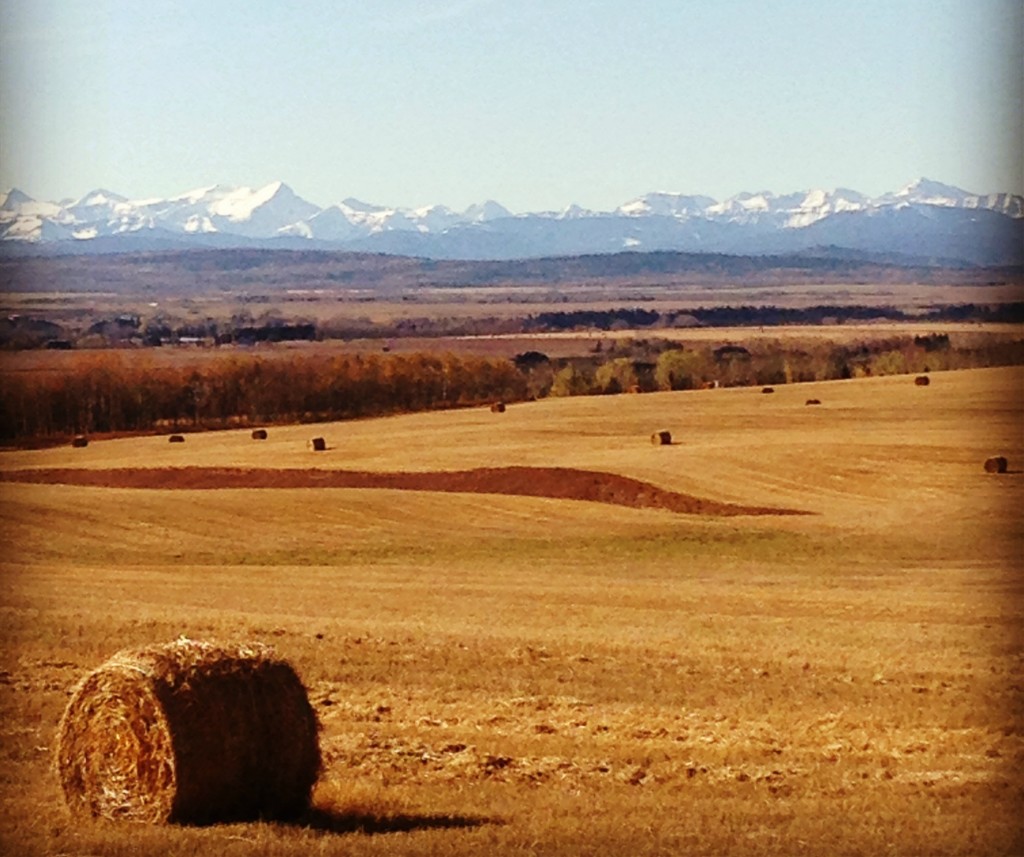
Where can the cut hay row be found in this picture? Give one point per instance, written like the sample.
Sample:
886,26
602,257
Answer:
189,732
561,483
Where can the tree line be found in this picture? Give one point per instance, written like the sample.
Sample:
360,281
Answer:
113,392
104,393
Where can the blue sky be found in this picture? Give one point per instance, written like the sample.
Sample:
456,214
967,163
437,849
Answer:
535,103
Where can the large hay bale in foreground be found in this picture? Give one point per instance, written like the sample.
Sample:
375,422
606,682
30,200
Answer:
996,464
661,438
189,732
317,444
922,380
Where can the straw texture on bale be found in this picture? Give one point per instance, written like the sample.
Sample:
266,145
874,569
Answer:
79,441
498,408
318,444
996,464
661,438
189,732
922,380
176,438
259,434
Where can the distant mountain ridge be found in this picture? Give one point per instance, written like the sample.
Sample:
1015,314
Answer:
925,221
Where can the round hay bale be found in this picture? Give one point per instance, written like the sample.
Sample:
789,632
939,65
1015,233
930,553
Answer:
176,438
661,438
259,434
79,441
996,464
317,444
189,732
813,402
922,380
498,408
767,389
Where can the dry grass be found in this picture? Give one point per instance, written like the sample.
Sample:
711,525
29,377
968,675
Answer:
515,675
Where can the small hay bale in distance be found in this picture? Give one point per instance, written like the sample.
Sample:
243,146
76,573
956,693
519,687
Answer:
176,438
317,444
79,441
996,464
922,380
189,733
661,438
498,408
767,389
259,434
813,402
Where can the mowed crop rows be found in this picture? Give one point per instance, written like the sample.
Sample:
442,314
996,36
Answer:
500,674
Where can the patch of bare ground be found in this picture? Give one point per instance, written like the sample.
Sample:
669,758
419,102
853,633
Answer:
563,483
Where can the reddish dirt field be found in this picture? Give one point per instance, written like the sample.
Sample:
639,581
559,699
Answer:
556,482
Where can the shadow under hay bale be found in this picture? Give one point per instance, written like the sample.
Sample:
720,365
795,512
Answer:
813,402
922,380
996,464
191,733
661,438
176,438
767,389
79,441
317,444
259,434
498,408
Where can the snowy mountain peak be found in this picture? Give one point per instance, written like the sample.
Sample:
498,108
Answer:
241,203
13,199
483,211
747,223
100,197
666,204
575,212
932,193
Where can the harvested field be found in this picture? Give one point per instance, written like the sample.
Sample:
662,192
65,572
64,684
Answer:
509,674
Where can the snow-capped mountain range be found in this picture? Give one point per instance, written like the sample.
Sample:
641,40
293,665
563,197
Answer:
924,221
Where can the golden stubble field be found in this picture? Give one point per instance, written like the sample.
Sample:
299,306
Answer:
518,675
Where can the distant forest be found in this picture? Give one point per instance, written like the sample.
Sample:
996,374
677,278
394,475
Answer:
20,332
192,272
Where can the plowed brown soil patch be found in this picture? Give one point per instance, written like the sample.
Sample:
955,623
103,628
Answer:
556,482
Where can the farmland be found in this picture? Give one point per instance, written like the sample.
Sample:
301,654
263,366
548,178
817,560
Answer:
506,674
